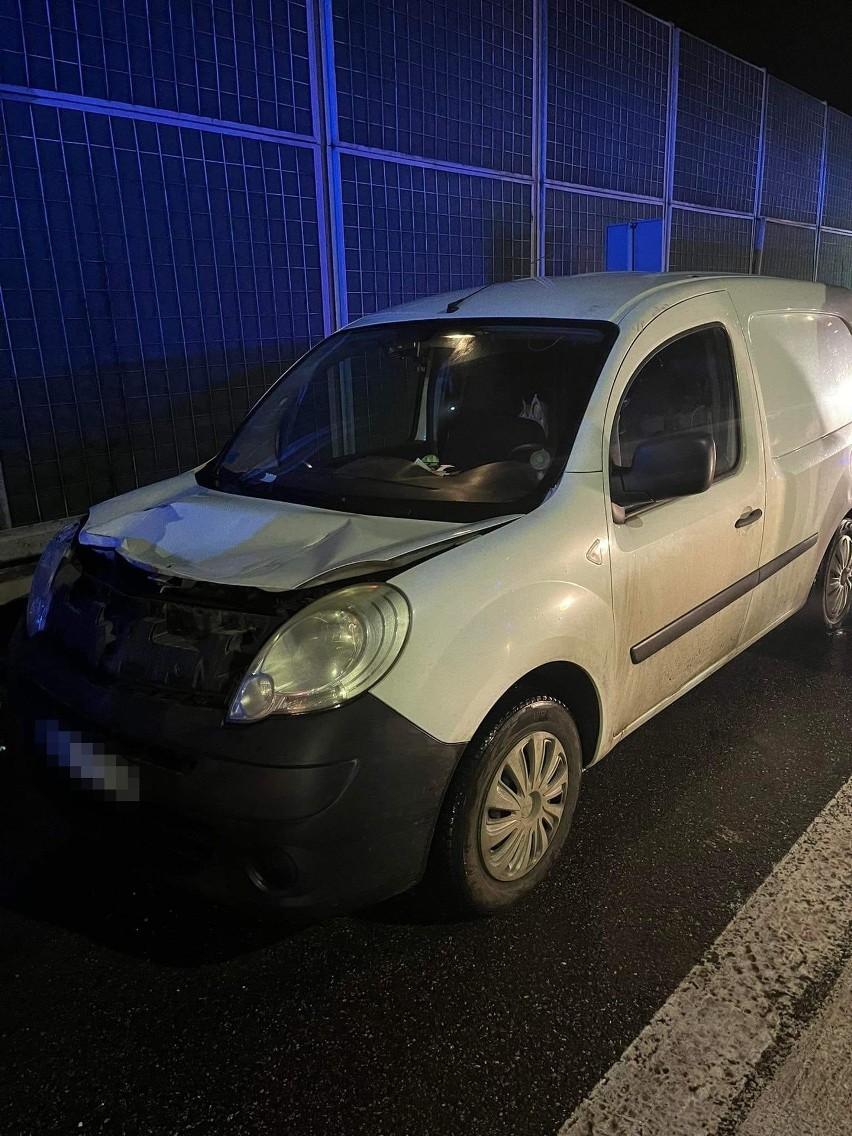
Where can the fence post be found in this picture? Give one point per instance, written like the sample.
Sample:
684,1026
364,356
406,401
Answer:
539,139
758,226
823,174
671,140
324,106
330,200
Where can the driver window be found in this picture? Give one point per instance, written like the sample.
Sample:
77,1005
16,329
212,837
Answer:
688,386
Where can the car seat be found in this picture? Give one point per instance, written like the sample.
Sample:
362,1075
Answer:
487,426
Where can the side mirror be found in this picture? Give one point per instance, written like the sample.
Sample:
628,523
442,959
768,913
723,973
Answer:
672,467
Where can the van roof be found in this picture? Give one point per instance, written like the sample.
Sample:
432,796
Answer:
610,296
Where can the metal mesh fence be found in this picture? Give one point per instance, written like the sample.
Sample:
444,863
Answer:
788,250
576,228
835,259
837,211
409,231
606,96
155,280
174,224
718,128
710,242
439,80
794,128
241,62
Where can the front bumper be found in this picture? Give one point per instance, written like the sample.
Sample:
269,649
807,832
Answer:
312,814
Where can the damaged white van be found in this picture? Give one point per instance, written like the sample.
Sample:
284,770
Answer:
453,556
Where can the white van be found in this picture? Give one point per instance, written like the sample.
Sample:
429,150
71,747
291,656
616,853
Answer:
454,555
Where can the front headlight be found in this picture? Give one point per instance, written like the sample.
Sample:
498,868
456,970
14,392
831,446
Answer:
330,652
41,587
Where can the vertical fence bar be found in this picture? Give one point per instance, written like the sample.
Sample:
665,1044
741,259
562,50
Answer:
324,99
758,228
539,139
325,96
320,173
823,174
671,142
324,102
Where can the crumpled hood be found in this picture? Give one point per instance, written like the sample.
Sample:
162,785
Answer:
200,534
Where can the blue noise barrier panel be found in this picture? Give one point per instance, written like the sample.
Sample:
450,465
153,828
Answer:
835,259
718,128
788,250
411,231
837,211
437,79
607,78
241,62
155,281
706,242
192,192
794,123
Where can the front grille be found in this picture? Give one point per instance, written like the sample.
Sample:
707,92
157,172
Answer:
179,639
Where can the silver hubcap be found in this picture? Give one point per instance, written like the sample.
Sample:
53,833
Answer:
838,580
524,806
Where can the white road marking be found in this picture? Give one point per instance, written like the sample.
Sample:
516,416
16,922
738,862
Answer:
812,1091
683,1074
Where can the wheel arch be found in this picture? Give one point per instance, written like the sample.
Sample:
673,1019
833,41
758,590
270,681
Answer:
567,683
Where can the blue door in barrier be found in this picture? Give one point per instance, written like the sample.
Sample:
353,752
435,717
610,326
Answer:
635,246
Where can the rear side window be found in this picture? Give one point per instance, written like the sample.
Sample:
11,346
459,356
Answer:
688,386
804,366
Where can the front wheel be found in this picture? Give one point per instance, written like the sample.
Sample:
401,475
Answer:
831,599
508,809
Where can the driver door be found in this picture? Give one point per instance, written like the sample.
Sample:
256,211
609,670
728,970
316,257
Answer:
681,567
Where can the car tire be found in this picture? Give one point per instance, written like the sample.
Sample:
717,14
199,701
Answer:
830,601
508,809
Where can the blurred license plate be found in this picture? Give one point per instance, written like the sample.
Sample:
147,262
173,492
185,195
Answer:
88,762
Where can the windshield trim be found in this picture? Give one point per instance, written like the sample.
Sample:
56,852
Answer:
214,475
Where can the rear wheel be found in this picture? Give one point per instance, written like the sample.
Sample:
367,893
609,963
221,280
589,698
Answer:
831,599
508,809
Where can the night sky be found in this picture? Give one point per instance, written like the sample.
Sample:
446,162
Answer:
808,45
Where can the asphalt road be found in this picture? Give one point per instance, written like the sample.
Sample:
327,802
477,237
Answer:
128,1008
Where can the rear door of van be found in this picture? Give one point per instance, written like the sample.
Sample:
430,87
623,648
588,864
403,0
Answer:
682,568
803,363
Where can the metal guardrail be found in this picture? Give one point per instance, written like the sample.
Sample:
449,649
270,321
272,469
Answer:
20,549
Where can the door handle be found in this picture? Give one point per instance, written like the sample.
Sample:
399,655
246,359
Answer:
748,518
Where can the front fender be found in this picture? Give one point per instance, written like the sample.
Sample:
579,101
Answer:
486,613
447,682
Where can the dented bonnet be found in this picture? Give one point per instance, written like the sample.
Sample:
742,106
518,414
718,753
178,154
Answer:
178,528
